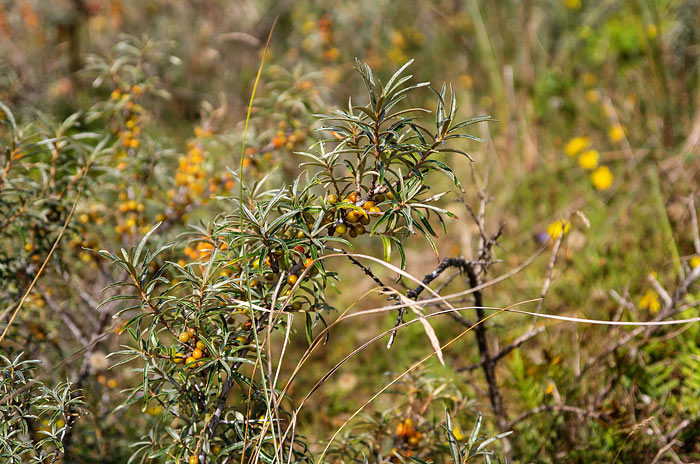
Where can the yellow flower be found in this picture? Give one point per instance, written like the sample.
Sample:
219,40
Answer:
466,81
650,301
459,435
572,4
616,133
602,178
308,27
694,262
550,389
558,228
576,145
588,79
651,31
589,159
592,96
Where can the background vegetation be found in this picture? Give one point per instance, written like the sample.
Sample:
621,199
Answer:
580,191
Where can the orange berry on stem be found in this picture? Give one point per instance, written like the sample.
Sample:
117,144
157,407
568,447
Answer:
197,353
184,337
308,262
408,426
292,279
353,216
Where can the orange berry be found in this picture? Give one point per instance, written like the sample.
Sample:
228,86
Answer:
353,197
300,249
332,198
178,358
353,216
296,306
408,426
190,360
375,210
201,345
197,353
308,262
368,204
193,460
184,337
400,430
191,331
292,279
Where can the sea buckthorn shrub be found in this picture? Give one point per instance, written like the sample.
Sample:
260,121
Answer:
35,418
597,113
200,328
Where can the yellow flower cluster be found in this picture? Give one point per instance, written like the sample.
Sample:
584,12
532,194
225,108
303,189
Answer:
650,301
601,177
